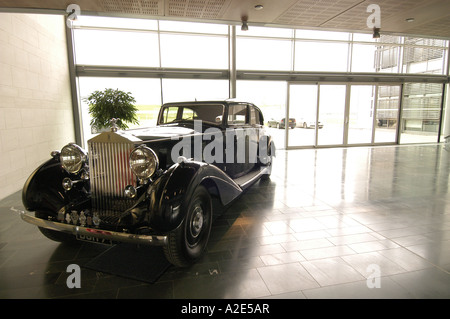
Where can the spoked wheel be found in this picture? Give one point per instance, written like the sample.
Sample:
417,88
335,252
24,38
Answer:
187,243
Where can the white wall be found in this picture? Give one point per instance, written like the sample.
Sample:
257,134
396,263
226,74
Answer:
35,98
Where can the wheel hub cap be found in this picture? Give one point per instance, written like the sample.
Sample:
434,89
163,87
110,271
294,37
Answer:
197,221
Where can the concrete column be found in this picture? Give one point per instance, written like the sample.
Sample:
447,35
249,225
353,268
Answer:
232,62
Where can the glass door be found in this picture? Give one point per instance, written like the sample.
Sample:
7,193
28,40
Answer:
302,115
387,112
341,114
361,114
332,110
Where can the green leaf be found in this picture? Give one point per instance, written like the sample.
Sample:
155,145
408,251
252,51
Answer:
109,103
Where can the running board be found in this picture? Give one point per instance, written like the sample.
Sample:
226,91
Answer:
248,179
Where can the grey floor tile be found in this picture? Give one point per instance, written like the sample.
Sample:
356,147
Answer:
286,278
331,271
373,246
352,239
363,264
282,258
388,289
431,283
316,232
406,259
236,285
326,252
437,253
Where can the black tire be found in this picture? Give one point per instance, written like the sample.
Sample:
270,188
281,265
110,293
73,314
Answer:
53,234
188,242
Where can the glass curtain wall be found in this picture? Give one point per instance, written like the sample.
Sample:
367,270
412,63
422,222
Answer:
115,43
421,112
147,93
361,113
387,111
270,97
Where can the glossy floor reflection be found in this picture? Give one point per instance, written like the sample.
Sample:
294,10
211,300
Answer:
325,225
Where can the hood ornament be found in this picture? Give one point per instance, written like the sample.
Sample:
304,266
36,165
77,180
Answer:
113,124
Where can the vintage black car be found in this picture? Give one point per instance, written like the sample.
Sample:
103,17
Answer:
152,186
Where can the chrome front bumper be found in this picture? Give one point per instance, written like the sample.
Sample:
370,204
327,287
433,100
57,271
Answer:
94,232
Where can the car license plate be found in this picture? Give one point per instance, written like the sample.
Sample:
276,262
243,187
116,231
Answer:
96,240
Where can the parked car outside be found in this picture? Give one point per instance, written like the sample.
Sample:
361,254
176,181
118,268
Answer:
273,123
291,124
308,123
281,123
152,186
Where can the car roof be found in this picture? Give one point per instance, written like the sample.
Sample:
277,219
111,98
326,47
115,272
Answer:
224,102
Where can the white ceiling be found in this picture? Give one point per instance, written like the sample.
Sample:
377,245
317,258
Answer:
431,17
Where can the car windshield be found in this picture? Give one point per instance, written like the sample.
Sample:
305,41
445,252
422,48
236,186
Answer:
211,113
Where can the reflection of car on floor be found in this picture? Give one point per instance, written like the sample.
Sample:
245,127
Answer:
152,186
281,124
309,124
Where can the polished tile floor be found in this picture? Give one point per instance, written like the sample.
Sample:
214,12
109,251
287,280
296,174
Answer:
369,222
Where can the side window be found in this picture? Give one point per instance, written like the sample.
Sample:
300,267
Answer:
237,114
254,116
169,114
188,114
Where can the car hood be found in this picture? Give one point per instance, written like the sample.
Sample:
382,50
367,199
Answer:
160,132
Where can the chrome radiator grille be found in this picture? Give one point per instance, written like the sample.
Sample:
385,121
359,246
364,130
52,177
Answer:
109,174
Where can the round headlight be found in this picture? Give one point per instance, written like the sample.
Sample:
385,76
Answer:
72,158
143,162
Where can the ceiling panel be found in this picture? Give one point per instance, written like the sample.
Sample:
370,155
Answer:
198,9
355,18
314,12
141,7
431,17
440,27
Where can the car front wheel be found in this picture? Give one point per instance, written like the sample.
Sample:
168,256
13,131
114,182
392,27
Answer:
187,243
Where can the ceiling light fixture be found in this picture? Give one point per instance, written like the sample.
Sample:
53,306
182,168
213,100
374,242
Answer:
259,7
244,26
376,33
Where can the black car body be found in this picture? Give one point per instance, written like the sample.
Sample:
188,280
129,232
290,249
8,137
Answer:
152,186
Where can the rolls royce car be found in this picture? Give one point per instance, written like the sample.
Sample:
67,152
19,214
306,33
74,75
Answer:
152,186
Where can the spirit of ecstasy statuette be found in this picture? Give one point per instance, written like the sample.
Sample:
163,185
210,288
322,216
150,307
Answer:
113,123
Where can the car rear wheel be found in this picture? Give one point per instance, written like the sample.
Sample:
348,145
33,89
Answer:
188,242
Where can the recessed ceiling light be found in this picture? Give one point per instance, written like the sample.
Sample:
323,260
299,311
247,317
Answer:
409,20
259,7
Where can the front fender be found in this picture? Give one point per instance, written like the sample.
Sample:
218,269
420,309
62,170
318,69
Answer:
43,189
170,194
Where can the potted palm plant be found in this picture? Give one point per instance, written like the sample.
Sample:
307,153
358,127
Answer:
108,104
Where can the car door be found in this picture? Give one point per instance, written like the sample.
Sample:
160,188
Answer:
254,133
237,140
